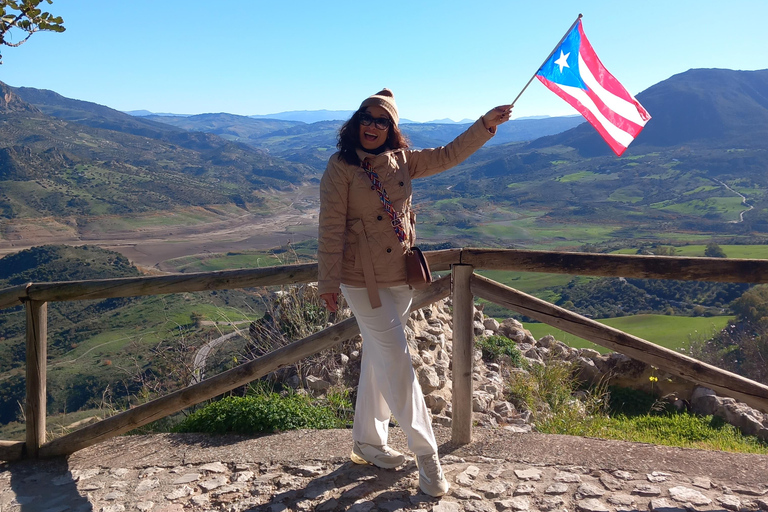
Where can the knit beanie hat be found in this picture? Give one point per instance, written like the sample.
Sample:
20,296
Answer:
384,99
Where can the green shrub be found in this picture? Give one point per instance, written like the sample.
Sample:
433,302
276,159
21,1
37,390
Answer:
495,346
267,412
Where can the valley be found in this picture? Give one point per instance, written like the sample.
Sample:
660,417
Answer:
150,240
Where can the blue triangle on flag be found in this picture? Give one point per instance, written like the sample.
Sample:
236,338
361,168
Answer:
563,66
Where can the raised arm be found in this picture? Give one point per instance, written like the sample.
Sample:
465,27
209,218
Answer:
426,162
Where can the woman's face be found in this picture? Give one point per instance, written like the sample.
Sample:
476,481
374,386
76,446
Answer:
371,136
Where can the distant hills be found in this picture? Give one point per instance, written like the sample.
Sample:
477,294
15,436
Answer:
61,157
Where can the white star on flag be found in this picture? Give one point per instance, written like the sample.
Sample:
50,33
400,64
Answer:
563,60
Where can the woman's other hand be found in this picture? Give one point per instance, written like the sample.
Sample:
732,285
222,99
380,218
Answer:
496,116
330,301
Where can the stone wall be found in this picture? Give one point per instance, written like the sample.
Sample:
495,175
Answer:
430,337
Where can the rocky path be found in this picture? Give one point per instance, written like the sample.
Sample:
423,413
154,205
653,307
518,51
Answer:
310,470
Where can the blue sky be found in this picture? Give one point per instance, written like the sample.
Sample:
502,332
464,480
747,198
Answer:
446,59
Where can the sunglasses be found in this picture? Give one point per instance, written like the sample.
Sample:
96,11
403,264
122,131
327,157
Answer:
382,123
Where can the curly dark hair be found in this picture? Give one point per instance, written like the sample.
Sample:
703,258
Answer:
349,139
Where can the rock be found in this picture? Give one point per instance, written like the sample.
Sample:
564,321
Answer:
687,495
181,492
528,474
611,483
557,488
465,494
623,500
492,490
213,483
481,401
662,505
590,491
517,503
567,477
547,341
467,477
646,490
592,505
622,475
428,379
549,503
188,478
446,506
657,476
702,482
491,324
730,502
214,467
436,403
524,489
147,485
317,384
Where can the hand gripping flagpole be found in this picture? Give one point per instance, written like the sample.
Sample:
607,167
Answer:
548,57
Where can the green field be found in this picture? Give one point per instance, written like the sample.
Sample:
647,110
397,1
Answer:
673,332
759,252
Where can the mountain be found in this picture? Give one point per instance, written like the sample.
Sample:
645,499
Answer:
60,156
308,116
229,126
716,108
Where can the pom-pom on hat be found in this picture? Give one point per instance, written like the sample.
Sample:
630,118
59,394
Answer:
384,99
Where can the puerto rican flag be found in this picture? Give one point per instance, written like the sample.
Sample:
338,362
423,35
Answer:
574,73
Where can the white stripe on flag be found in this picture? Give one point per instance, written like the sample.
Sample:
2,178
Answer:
619,105
582,97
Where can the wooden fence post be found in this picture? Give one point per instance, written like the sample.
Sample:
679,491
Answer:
37,352
463,334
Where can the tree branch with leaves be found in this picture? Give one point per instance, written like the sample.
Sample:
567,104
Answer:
26,17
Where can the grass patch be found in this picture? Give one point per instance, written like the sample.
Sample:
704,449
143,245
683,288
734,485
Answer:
550,392
673,332
265,411
495,347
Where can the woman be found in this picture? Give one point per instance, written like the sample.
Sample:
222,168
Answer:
360,254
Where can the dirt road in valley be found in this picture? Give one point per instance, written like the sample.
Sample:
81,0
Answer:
151,246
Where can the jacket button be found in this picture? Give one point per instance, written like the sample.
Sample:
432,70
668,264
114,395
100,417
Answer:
389,249
402,184
379,217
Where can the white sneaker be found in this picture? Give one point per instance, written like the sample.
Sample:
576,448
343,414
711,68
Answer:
381,456
431,478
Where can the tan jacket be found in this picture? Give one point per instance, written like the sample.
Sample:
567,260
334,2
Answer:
357,244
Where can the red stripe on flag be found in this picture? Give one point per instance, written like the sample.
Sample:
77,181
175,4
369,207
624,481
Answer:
616,119
602,75
617,147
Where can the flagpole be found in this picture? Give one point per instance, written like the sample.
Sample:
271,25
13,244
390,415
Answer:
548,56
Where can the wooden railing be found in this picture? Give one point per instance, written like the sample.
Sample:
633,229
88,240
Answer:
463,284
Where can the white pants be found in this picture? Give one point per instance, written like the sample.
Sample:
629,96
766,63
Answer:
387,380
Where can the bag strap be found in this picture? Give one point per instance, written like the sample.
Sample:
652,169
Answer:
397,223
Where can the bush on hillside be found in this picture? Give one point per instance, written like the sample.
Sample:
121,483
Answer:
267,412
494,347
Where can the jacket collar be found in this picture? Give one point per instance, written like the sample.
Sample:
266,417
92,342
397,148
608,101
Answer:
388,155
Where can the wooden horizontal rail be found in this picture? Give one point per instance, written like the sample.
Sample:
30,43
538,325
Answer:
11,297
11,450
175,283
725,383
178,283
575,263
223,382
619,265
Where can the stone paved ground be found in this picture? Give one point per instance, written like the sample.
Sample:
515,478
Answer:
310,470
